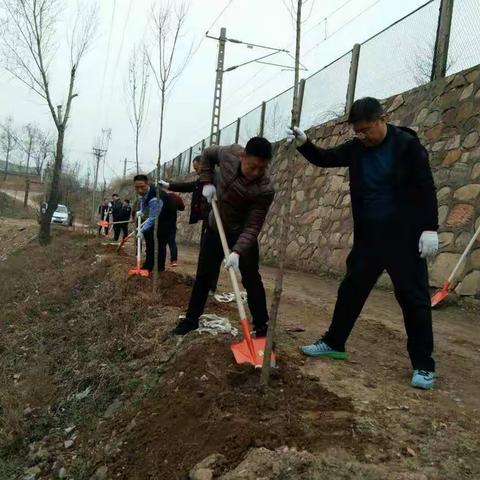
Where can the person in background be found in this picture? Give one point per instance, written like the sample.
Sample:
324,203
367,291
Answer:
126,215
117,216
151,206
395,215
199,207
103,213
172,239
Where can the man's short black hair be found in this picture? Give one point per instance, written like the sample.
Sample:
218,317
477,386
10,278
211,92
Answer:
140,178
197,159
259,147
366,109
127,200
114,194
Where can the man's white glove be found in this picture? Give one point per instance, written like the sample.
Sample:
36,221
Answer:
298,135
428,245
140,235
209,191
139,214
233,261
164,184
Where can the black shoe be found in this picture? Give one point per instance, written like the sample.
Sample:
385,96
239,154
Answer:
184,326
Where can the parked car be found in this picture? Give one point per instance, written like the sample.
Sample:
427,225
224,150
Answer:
62,216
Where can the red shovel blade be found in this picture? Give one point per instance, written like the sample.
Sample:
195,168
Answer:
103,223
139,272
440,295
250,350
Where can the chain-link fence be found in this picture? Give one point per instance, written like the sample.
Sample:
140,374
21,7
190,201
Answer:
16,169
397,59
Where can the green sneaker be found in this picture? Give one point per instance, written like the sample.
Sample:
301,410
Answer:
321,349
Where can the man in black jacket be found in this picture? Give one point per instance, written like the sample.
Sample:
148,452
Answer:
395,216
117,216
126,216
199,207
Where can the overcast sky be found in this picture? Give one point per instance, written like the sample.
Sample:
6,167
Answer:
123,23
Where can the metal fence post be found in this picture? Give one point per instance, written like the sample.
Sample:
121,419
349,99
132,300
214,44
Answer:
262,119
203,145
237,133
352,80
179,165
190,153
440,54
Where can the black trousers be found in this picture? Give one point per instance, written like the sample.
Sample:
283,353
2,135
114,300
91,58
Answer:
209,261
396,251
164,231
116,231
124,229
215,275
172,245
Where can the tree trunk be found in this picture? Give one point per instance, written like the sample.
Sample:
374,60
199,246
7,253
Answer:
27,178
285,218
159,159
137,134
6,164
53,196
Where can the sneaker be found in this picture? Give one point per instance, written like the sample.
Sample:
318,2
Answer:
174,264
184,326
423,379
321,349
211,293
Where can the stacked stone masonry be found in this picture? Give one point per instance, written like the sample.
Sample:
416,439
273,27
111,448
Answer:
446,116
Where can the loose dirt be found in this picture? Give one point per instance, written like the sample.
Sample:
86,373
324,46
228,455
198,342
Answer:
93,384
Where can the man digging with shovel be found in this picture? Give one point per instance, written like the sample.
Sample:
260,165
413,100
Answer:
244,193
395,216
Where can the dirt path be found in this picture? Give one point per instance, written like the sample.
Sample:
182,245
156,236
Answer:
377,373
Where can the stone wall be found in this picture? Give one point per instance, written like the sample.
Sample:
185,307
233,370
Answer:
446,115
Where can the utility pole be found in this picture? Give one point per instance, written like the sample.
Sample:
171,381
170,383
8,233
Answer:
217,94
125,169
98,153
217,97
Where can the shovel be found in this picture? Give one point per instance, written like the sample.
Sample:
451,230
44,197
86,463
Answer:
250,350
137,270
443,293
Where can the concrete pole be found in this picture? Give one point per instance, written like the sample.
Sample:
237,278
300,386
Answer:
352,80
440,56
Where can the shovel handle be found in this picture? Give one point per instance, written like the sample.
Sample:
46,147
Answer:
226,251
464,255
139,241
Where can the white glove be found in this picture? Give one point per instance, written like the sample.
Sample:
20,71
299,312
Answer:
139,214
140,235
428,245
298,135
209,191
233,261
164,184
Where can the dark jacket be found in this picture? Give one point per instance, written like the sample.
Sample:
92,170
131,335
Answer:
177,203
117,210
165,209
199,208
243,203
126,212
414,181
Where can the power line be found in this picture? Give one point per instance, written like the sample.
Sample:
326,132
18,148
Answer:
248,95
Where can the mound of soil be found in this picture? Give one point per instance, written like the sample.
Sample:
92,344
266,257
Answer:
207,404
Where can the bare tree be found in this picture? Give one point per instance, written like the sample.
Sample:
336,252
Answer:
285,219
28,50
28,143
137,93
43,150
8,142
168,22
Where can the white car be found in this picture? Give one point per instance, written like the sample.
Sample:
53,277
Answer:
62,216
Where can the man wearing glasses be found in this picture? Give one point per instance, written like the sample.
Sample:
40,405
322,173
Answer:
395,214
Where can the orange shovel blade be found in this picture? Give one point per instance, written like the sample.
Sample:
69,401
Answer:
103,223
139,272
440,295
243,353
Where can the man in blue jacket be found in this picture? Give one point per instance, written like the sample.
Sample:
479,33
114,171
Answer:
151,206
395,216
